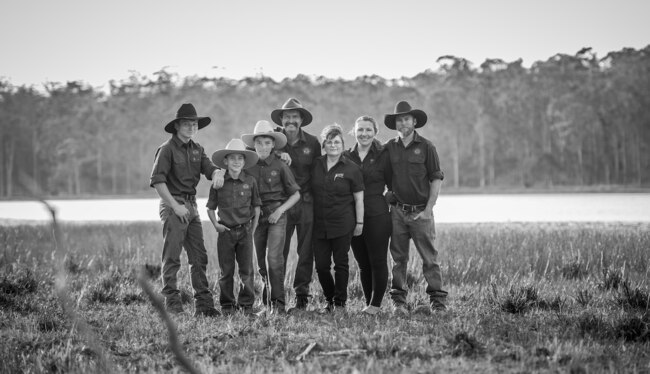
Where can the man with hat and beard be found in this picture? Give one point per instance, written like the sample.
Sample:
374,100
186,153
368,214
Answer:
177,169
416,182
303,148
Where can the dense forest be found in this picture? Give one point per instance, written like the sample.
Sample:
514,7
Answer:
572,120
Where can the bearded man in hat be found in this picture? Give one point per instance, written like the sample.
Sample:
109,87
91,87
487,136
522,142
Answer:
416,181
177,169
303,148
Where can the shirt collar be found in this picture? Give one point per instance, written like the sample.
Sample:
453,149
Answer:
416,138
301,135
267,161
240,177
179,143
375,147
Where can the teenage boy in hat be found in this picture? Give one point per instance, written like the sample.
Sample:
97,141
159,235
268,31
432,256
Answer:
278,192
238,208
416,182
177,169
303,149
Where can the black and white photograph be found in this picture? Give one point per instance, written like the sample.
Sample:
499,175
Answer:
325,186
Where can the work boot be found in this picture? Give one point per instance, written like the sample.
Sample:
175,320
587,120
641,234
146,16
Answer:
301,304
438,304
173,304
207,312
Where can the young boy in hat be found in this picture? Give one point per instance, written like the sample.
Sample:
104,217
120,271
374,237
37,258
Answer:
238,208
278,192
177,169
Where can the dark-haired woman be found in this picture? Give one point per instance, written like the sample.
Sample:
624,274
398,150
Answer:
371,247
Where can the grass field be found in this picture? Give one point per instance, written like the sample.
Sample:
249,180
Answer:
523,298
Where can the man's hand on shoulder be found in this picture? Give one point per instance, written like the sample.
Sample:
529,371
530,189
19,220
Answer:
218,178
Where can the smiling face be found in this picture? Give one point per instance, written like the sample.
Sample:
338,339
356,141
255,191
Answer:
333,146
264,146
186,129
405,124
291,121
364,132
235,162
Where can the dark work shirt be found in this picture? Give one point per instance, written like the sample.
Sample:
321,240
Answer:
334,209
303,153
274,180
180,166
414,168
376,171
236,199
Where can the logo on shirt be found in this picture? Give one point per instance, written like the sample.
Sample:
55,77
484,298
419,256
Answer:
338,175
246,186
306,151
372,160
195,152
274,173
417,151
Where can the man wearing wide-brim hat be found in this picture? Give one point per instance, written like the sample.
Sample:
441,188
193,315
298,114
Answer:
278,192
177,169
416,182
303,148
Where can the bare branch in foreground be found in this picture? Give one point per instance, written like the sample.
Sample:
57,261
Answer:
173,336
60,284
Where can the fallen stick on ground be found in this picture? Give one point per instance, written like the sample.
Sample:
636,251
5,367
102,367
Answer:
304,353
344,352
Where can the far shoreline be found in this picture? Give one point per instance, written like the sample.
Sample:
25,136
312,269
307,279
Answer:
492,190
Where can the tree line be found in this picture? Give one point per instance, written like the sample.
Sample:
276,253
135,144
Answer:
572,120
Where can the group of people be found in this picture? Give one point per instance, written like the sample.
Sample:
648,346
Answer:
275,181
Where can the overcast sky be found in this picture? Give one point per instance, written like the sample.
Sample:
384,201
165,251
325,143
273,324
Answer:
92,41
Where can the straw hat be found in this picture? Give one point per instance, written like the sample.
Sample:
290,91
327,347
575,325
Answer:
235,146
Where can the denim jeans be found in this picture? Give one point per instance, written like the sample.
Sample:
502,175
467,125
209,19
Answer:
269,244
233,246
300,218
422,231
335,289
176,236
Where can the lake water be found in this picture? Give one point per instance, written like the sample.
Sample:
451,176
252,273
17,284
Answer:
586,207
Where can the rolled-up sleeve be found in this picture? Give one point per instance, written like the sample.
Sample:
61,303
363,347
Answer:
207,167
433,164
161,166
288,180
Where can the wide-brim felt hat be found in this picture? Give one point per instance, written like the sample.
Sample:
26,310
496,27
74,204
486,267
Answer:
187,111
235,146
264,128
402,108
292,104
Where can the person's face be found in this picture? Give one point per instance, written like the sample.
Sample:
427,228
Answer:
405,124
334,146
186,128
264,146
291,120
364,131
235,162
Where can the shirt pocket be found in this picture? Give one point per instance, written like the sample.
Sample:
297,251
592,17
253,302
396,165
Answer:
243,198
180,163
271,179
416,165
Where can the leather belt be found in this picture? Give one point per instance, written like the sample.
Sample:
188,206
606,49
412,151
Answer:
185,197
409,208
236,227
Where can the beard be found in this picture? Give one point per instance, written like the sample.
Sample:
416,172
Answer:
405,131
